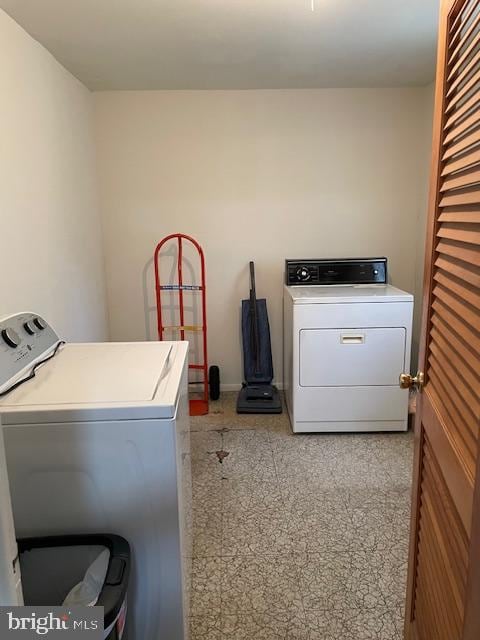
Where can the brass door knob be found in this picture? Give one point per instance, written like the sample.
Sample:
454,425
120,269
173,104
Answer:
407,381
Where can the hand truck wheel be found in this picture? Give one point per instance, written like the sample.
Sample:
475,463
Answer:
214,382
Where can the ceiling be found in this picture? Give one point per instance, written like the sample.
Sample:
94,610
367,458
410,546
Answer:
236,44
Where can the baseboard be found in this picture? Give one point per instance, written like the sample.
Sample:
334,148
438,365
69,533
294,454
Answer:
230,387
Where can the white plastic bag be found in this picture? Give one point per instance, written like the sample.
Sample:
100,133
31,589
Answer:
87,592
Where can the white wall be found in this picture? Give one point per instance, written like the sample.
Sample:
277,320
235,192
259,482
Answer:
50,238
260,175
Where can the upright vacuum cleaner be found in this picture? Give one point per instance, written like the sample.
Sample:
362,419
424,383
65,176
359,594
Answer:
258,394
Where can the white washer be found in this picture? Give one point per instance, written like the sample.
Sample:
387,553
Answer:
98,442
345,346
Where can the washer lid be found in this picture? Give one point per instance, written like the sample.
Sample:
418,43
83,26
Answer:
103,378
348,293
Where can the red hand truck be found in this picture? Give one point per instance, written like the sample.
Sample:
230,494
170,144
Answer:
198,406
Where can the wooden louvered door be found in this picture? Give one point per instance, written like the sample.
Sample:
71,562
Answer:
443,599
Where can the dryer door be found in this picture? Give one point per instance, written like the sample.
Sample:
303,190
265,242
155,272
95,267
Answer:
352,357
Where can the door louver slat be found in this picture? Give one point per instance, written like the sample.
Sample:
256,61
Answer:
464,74
464,125
462,19
465,56
460,198
441,560
468,233
464,110
468,376
464,37
461,434
459,287
458,250
455,304
463,179
461,145
467,160
457,390
458,324
460,269
456,341
463,92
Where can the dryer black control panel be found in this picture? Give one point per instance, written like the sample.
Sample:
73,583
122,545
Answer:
336,271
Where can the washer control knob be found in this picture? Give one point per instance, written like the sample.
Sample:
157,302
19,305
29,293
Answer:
11,337
30,327
303,273
40,324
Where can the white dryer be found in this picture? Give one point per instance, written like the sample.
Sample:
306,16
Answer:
97,441
347,338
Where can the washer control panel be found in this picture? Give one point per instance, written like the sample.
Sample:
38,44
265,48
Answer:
24,339
336,271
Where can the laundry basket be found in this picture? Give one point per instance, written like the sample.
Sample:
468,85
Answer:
51,566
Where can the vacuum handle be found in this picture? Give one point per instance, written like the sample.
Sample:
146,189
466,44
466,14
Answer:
252,278
254,320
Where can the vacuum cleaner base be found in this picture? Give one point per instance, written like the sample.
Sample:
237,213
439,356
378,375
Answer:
259,398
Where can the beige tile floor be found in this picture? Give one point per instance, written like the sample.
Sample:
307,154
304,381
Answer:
297,537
